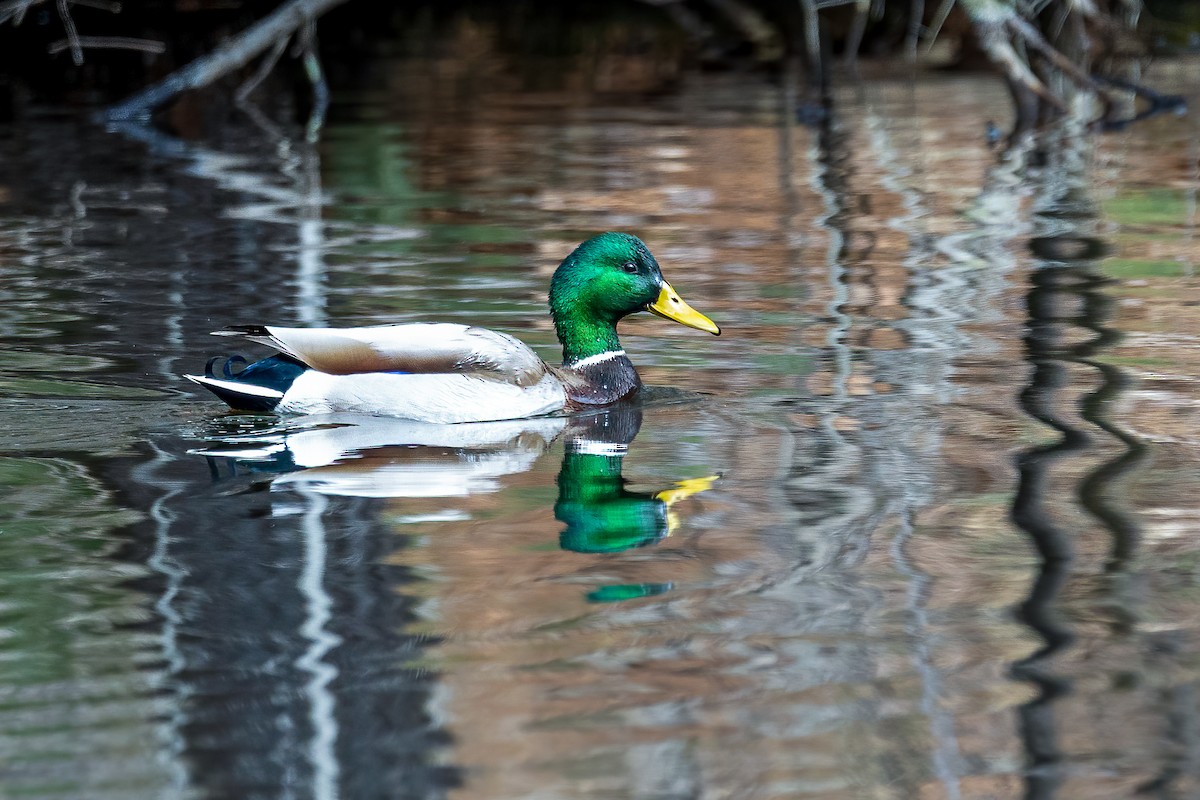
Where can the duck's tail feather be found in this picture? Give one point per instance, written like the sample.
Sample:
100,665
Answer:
240,396
255,333
243,330
257,387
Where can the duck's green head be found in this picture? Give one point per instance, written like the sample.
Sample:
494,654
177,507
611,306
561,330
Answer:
604,279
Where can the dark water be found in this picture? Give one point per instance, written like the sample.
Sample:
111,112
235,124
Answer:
932,529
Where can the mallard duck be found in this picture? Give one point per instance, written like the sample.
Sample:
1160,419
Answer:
445,373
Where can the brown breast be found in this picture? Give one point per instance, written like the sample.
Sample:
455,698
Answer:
599,383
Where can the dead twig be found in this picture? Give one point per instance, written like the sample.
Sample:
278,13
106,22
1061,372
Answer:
916,16
10,9
264,69
939,19
857,30
15,10
68,23
1002,30
316,76
103,5
108,43
1001,50
233,55
751,24
812,36
1033,38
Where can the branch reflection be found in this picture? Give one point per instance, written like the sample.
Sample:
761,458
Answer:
1065,295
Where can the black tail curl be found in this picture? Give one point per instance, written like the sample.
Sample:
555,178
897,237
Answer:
226,368
276,373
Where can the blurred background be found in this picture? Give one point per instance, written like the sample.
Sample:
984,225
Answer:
922,523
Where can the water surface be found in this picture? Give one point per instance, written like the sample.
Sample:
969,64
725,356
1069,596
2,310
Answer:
921,523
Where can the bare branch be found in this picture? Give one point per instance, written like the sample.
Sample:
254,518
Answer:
316,76
64,14
1001,50
812,36
11,6
1085,7
857,29
108,43
264,69
1033,38
234,54
939,19
750,23
15,10
104,5
916,16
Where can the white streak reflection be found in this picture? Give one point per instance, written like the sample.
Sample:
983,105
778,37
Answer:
322,748
162,562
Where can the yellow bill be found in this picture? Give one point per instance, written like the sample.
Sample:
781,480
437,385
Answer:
683,489
671,306
686,488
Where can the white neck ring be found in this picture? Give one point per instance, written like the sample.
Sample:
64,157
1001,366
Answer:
596,359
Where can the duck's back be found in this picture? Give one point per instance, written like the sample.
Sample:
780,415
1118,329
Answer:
418,347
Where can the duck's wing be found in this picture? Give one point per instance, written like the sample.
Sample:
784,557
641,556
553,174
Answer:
422,347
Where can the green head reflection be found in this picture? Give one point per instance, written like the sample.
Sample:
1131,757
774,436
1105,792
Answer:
600,514
614,593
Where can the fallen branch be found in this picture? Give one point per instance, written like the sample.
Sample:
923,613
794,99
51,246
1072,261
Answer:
68,23
998,47
108,43
1033,38
939,19
110,6
1001,28
316,76
264,69
858,28
751,24
916,16
15,10
231,56
812,36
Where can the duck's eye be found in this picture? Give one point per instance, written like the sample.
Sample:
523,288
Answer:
630,267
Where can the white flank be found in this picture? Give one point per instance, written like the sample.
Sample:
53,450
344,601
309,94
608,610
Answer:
596,359
233,386
440,398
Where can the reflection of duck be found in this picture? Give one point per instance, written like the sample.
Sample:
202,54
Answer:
441,372
601,515
366,456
